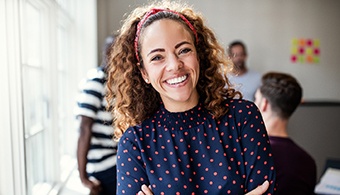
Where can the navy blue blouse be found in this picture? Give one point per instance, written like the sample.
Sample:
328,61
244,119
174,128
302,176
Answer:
191,152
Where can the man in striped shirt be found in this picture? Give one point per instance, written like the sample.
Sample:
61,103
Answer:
96,151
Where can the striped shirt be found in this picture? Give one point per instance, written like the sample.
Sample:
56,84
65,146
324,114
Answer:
91,103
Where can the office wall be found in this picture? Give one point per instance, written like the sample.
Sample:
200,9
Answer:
267,27
315,127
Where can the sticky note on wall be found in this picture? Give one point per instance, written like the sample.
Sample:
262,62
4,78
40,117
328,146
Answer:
305,51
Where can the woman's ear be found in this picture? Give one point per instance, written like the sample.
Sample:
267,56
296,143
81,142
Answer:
144,74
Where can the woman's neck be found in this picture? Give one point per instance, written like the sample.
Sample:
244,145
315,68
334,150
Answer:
181,106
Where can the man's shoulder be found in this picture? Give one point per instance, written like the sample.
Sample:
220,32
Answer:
96,73
290,146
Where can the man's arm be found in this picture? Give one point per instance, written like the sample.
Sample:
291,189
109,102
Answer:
82,150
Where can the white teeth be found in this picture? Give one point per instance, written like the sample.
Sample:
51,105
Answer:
176,80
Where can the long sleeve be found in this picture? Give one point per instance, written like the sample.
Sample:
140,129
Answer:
257,152
130,168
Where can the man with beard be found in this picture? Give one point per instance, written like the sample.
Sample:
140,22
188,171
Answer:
244,80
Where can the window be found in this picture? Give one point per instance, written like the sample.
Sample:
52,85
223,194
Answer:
45,45
35,66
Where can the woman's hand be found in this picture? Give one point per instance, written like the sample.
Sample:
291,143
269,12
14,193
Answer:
145,190
260,189
257,191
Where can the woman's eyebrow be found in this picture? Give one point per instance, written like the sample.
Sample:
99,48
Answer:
162,50
155,50
182,43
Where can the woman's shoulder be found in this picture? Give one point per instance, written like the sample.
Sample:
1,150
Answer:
241,109
236,104
137,130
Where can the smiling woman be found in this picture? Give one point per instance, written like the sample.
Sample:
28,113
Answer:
180,131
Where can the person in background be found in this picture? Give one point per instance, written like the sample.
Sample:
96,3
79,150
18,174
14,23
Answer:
277,98
244,79
179,129
96,151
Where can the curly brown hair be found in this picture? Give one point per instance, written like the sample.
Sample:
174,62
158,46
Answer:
132,100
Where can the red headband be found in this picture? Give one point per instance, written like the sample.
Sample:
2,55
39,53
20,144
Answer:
152,12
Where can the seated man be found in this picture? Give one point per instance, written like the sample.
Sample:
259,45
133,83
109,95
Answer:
277,98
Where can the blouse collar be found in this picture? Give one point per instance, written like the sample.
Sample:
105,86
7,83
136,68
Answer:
182,120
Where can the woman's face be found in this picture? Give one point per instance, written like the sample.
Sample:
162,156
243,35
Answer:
171,64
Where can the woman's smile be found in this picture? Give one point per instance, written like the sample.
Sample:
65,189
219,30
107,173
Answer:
177,80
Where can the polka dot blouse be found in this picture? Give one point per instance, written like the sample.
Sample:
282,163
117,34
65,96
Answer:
193,153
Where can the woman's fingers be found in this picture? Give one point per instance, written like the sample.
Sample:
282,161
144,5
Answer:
145,190
260,189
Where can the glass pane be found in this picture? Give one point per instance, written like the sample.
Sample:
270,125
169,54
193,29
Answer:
67,6
68,136
36,102
35,162
35,110
63,48
32,39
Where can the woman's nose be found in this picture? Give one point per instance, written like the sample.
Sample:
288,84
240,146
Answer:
174,63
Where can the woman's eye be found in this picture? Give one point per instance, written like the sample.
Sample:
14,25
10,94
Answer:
184,51
156,58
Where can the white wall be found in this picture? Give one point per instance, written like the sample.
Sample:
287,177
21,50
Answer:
267,27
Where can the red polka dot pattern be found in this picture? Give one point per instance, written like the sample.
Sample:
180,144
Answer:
193,153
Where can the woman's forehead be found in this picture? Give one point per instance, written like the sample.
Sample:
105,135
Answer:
164,31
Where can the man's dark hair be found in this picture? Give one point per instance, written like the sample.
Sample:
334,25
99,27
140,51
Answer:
283,92
235,43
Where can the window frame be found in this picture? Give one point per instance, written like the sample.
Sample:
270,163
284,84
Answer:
84,56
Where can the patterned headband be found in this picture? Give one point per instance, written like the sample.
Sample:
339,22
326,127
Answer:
152,12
